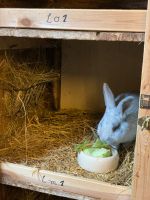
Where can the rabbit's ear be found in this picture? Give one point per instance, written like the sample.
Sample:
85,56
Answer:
119,98
108,96
125,105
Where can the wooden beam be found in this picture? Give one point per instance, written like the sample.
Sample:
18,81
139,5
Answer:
72,35
141,178
23,176
72,19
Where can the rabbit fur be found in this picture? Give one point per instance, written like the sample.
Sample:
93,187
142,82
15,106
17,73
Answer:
119,122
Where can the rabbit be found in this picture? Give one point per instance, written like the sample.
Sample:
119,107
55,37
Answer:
119,122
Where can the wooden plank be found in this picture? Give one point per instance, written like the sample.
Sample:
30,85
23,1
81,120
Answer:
72,35
33,187
49,181
72,19
141,178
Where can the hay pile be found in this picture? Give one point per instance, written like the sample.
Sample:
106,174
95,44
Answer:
49,144
24,82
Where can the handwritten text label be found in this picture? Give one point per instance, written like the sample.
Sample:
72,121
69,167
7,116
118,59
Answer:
52,18
52,182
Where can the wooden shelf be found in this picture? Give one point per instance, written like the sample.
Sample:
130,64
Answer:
76,24
61,184
72,35
74,19
109,25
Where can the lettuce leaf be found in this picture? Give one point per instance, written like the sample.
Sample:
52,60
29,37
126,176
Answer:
96,149
99,144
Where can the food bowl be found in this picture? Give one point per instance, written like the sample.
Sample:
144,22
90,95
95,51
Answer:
98,164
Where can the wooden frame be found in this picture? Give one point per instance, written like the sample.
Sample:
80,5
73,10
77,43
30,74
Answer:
50,182
72,35
72,19
141,176
83,20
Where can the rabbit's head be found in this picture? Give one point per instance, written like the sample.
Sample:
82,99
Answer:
113,125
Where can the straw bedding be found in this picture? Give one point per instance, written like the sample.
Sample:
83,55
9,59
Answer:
43,138
51,141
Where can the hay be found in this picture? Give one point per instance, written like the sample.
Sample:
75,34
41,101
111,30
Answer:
20,76
51,142
23,81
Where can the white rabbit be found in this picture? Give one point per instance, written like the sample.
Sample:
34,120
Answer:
119,122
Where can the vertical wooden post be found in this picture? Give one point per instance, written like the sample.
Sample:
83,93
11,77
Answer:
141,175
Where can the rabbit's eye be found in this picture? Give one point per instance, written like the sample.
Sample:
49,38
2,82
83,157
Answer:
116,127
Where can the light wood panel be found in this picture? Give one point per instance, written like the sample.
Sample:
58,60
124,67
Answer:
141,178
71,19
72,35
48,182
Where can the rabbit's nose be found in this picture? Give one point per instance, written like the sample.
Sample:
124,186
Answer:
113,145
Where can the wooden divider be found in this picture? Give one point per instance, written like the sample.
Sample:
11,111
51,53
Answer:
141,178
50,182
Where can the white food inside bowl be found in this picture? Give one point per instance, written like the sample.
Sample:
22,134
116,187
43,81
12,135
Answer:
98,165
